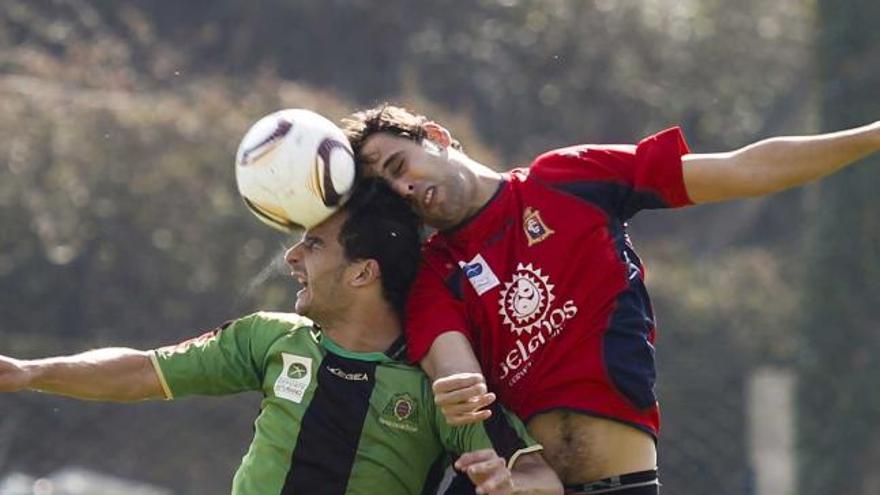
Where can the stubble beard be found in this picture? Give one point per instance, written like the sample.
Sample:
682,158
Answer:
330,306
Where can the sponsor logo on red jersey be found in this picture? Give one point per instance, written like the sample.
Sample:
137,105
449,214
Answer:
527,308
479,274
525,299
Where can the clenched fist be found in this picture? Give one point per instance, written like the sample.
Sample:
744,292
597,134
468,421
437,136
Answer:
462,397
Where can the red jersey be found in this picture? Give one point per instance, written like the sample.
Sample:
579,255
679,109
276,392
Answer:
546,285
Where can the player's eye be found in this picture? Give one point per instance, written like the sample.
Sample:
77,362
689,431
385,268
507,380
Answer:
398,168
311,243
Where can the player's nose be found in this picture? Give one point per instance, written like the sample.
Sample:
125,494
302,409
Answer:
403,187
293,254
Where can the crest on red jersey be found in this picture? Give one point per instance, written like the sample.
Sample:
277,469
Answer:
535,228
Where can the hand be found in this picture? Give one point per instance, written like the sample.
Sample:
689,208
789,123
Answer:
488,472
462,397
13,375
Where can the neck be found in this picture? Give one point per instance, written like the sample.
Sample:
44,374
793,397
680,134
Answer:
486,182
364,328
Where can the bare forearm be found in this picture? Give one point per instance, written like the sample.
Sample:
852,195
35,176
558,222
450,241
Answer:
450,354
111,374
459,387
791,161
776,164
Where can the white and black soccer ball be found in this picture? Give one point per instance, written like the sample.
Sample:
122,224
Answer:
294,168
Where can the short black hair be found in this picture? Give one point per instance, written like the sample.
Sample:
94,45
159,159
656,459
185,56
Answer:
382,226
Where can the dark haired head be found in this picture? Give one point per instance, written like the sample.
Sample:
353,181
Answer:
381,226
384,118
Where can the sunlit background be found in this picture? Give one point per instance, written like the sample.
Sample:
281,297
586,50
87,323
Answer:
120,225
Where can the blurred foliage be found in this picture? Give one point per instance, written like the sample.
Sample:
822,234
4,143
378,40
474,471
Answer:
119,222
119,190
840,355
716,326
531,74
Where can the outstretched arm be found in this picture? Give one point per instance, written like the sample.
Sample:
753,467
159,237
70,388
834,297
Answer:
111,374
775,164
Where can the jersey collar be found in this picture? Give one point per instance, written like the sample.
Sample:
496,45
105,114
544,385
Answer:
381,357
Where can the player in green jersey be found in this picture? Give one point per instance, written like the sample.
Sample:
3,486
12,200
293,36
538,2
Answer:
341,414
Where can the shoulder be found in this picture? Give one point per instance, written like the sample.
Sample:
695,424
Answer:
580,162
290,320
407,376
269,324
406,370
436,256
411,378
671,138
438,274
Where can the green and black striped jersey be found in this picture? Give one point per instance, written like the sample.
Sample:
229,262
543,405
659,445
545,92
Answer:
331,421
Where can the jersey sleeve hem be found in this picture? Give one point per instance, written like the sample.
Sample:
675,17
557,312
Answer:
521,452
166,390
666,149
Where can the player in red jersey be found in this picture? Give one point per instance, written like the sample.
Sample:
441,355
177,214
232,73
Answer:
532,279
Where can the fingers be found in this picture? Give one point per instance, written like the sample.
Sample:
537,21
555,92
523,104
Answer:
462,397
468,412
488,472
470,458
456,395
457,381
472,405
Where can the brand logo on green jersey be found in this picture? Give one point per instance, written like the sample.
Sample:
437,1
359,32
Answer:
401,413
352,377
297,371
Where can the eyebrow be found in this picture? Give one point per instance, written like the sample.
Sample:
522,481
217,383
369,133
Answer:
388,161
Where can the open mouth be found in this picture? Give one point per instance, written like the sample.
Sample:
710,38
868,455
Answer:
300,278
428,198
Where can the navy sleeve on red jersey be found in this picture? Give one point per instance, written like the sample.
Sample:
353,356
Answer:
432,309
622,178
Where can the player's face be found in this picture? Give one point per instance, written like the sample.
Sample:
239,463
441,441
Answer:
318,262
438,187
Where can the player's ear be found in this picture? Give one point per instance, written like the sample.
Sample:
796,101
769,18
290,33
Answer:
365,272
437,133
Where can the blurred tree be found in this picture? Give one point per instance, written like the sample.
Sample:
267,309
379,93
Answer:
531,74
120,224
840,368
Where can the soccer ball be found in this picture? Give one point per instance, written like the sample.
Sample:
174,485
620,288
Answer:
294,169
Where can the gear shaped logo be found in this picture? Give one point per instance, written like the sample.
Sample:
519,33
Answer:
525,299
